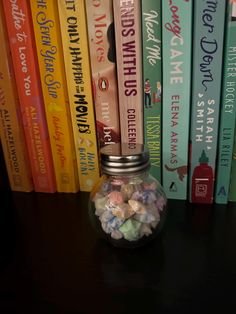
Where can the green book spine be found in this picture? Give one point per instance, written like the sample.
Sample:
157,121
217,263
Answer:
232,189
208,35
152,81
228,106
177,36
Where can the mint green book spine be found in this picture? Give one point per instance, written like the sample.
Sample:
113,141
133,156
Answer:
208,40
232,187
228,109
176,40
152,82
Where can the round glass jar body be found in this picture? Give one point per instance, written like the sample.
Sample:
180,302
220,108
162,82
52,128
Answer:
127,205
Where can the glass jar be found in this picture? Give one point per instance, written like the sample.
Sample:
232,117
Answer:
127,206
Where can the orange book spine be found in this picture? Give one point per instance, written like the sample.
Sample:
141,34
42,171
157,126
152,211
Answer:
11,126
22,46
46,25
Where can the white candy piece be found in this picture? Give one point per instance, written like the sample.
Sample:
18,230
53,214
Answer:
123,211
127,190
145,230
100,205
137,207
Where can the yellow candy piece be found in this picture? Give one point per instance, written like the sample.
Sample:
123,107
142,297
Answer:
137,207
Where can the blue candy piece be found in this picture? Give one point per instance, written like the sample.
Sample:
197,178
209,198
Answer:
146,196
110,222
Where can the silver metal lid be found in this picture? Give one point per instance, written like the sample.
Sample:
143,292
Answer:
120,159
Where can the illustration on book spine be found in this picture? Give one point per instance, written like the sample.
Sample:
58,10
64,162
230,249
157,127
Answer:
177,48
208,39
152,82
78,76
101,38
228,109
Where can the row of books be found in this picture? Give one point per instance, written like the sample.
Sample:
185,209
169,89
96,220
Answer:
199,43
79,75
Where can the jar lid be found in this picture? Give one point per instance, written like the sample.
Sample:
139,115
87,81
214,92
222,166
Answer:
122,159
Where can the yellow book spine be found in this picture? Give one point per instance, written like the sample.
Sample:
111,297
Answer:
46,26
78,74
11,125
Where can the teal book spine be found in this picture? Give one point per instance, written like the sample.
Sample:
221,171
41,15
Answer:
232,187
152,82
228,109
208,39
176,40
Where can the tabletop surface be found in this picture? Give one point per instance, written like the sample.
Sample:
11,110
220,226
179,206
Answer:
52,261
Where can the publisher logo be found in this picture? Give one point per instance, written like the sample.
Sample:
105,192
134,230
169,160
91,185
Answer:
103,84
173,187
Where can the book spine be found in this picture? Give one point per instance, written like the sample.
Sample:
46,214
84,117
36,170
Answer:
232,187
152,81
46,25
127,17
4,181
21,39
208,36
100,25
228,109
177,39
75,47
11,125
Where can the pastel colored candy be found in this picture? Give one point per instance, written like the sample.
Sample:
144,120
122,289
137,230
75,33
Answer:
106,187
130,229
118,182
110,222
148,196
116,197
154,211
115,222
123,211
106,216
160,203
135,180
145,230
145,196
150,186
127,190
116,234
130,208
146,218
100,205
137,206
137,195
154,224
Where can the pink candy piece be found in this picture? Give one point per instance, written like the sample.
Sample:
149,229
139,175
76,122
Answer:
150,186
118,182
160,203
116,197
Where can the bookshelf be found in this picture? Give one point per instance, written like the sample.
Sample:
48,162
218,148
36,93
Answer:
53,262
81,112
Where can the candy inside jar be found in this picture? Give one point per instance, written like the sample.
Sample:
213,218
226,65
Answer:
127,206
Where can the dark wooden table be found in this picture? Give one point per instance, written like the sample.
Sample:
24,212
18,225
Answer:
52,261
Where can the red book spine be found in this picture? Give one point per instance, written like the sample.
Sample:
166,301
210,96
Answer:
22,45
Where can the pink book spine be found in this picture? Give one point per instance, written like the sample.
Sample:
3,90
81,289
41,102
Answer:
22,45
100,24
128,37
